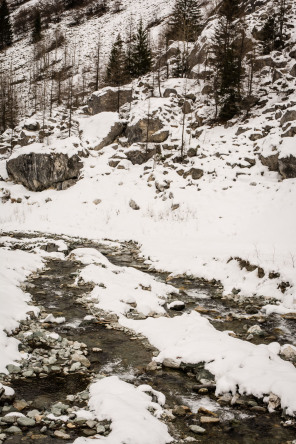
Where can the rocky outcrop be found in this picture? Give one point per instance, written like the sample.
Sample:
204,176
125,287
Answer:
293,71
195,173
109,99
38,172
145,130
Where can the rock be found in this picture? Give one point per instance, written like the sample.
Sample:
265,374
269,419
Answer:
289,116
197,429
33,413
191,152
270,161
138,132
23,421
140,156
169,91
195,173
100,429
115,131
13,369
89,432
287,167
81,358
38,172
151,367
31,125
160,136
107,99
171,363
20,405
206,412
176,305
255,330
62,435
293,71
181,410
133,205
14,430
74,367
209,420
273,402
288,352
186,108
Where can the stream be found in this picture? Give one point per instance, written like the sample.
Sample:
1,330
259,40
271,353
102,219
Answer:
113,351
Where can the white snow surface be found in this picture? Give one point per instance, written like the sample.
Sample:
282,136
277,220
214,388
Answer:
190,338
119,287
129,410
15,267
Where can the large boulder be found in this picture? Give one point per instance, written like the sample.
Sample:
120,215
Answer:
37,171
272,161
109,99
145,130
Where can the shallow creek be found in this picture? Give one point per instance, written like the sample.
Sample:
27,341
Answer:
112,351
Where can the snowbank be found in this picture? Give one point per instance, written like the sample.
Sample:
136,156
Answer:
129,410
15,267
254,369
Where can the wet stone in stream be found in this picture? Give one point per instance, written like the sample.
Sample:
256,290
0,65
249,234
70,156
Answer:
107,349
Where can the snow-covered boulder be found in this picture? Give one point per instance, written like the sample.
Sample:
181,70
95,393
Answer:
100,130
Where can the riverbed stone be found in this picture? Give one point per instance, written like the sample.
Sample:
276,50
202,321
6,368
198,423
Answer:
14,369
171,363
23,421
197,429
209,420
62,435
14,430
81,359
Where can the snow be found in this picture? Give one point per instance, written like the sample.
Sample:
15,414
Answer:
254,369
95,129
287,147
119,287
15,267
129,410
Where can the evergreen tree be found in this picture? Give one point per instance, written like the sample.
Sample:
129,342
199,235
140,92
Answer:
186,20
227,50
115,75
140,58
36,33
5,26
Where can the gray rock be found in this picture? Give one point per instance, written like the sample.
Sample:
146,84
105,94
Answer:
195,173
62,435
140,156
197,429
133,205
115,131
293,71
170,363
272,161
14,369
81,358
100,429
74,367
38,172
23,421
14,430
108,99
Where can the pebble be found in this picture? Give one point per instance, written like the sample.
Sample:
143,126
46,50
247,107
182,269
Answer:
74,367
26,422
209,420
197,429
100,429
20,405
14,430
62,435
171,363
